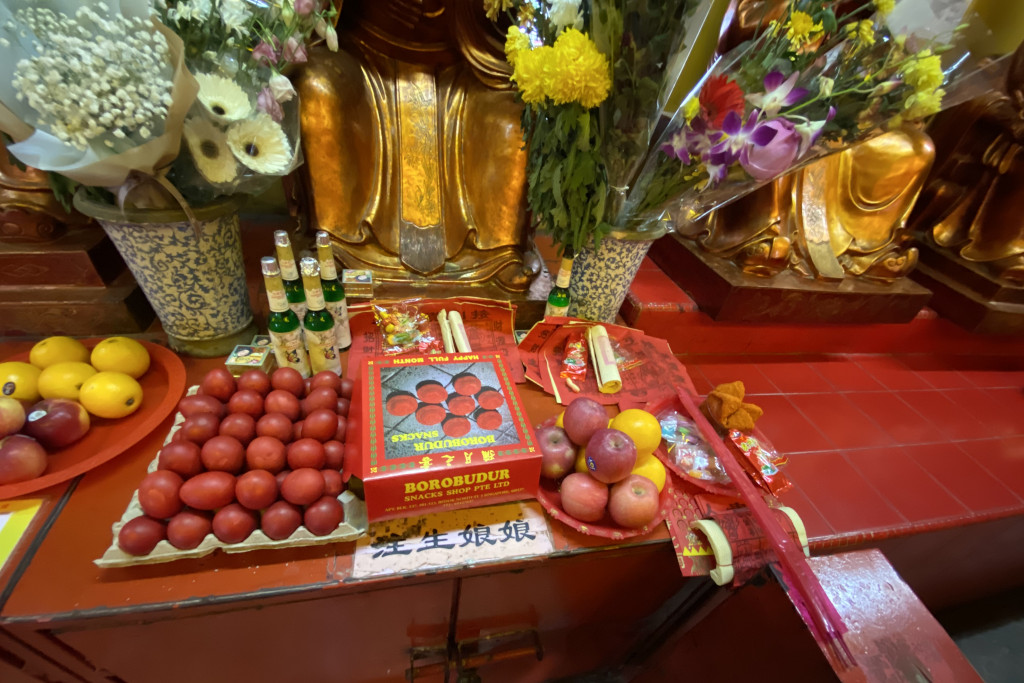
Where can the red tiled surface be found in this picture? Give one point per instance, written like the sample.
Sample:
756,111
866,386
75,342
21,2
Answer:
887,444
905,484
841,421
846,499
963,477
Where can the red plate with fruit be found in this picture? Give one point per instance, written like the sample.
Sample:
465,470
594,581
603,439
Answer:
250,463
162,386
550,498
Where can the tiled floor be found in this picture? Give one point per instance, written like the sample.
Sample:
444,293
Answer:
888,443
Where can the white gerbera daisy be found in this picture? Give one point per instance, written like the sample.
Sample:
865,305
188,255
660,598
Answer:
261,144
223,97
210,151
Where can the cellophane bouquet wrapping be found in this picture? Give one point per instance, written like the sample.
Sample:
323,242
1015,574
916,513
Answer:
807,85
243,130
616,150
163,104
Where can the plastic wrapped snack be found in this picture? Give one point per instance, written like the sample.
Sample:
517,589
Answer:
574,363
689,451
763,460
405,329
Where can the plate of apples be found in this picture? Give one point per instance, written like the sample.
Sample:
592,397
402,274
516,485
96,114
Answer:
594,480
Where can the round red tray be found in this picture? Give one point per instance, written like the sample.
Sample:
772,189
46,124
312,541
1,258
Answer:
551,501
162,387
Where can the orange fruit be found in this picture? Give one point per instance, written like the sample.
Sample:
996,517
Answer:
642,427
651,467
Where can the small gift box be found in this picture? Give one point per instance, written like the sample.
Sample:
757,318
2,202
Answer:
357,283
247,357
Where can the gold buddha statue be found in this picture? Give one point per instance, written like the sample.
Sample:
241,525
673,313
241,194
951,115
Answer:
973,201
413,146
29,211
842,215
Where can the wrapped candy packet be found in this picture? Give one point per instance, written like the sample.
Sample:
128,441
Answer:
763,460
405,329
689,451
574,363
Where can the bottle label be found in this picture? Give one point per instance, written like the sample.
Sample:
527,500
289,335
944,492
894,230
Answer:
290,351
327,269
288,269
339,311
564,274
278,300
315,299
323,352
554,310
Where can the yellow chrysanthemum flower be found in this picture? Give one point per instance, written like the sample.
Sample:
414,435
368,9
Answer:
862,33
802,30
581,72
525,16
515,42
533,72
494,7
885,7
924,72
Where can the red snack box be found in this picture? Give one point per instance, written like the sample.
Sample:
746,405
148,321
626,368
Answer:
409,468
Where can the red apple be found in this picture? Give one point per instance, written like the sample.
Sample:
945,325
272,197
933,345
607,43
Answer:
56,422
21,458
611,455
558,455
12,416
584,497
583,417
634,502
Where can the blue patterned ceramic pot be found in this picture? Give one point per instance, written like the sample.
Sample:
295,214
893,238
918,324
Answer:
601,277
196,286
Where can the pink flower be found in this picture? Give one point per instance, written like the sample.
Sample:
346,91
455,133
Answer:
294,50
304,7
266,102
771,150
264,53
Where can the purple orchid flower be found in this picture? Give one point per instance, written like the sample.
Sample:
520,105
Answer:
810,132
772,149
737,134
779,92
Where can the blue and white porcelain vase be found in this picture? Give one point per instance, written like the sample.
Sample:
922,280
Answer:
195,283
601,277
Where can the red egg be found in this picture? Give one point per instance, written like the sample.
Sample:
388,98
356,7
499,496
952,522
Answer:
140,535
334,454
190,405
302,487
180,457
328,379
284,402
256,489
187,529
288,379
234,523
158,494
333,485
276,425
265,453
347,387
280,520
306,452
199,428
246,401
218,383
223,454
323,516
320,425
255,380
240,426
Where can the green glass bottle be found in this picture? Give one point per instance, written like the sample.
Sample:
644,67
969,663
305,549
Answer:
318,323
334,291
558,298
290,273
282,323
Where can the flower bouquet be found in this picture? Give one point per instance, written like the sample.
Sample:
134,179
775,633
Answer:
805,86
100,95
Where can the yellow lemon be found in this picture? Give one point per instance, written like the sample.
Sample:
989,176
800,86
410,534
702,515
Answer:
111,394
581,460
641,426
121,354
54,350
19,380
650,466
558,422
64,380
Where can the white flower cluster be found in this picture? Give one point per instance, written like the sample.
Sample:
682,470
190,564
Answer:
95,77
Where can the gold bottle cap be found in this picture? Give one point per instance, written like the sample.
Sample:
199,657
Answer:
269,266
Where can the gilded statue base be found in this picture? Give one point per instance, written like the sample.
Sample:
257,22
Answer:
967,293
726,293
